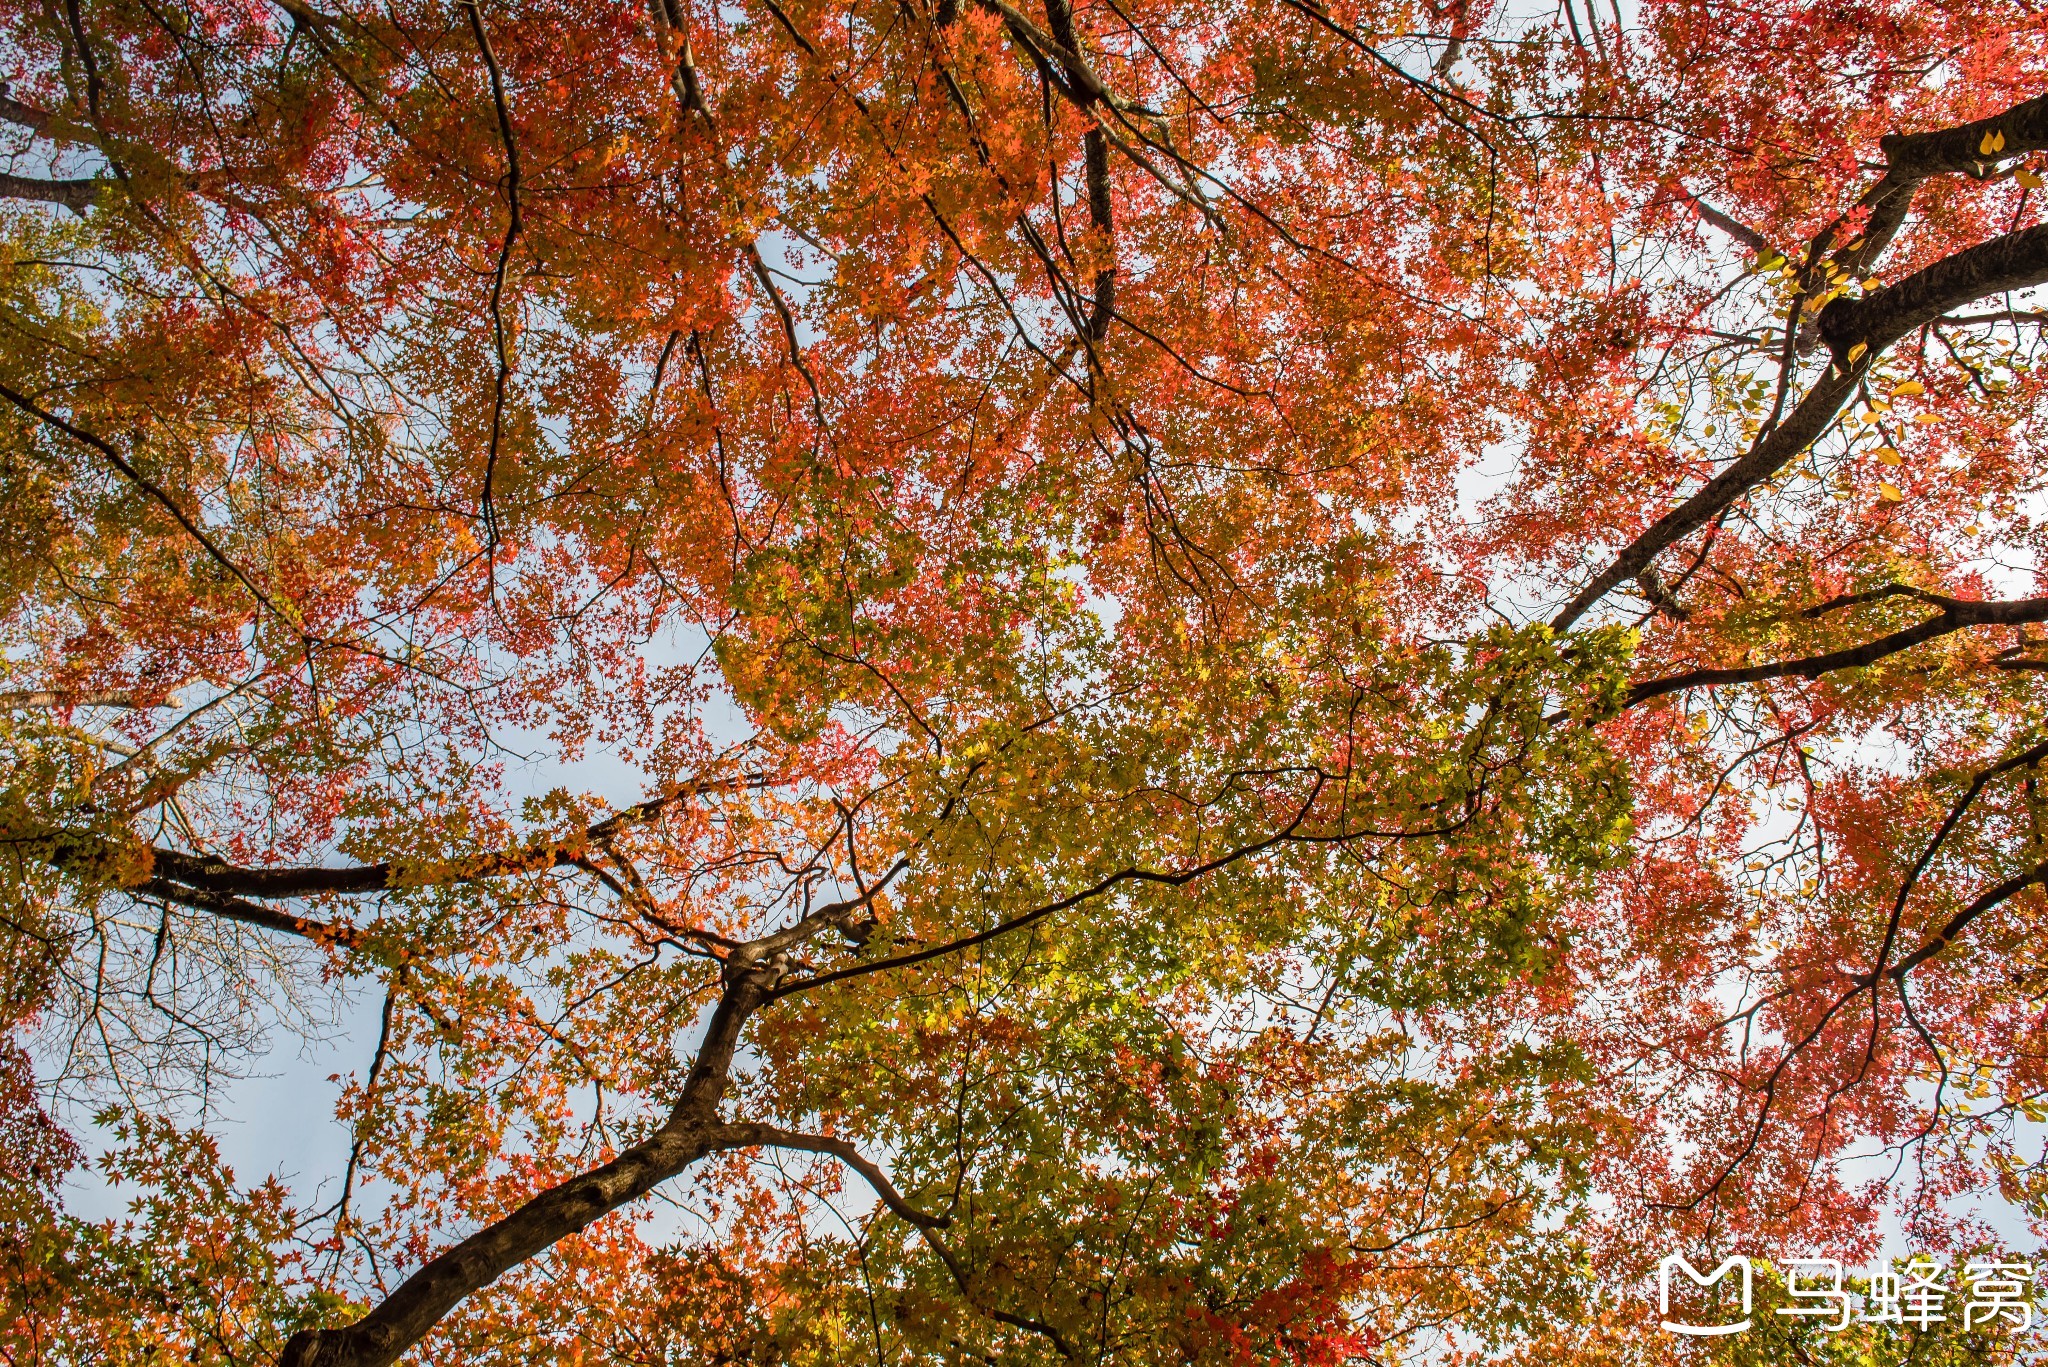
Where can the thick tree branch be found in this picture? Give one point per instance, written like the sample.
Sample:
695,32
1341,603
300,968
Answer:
842,916
202,874
209,884
38,698
1873,322
690,1132
1102,308
1095,156
1086,87
1733,227
1876,320
1850,600
1958,923
40,122
75,195
1911,158
249,913
1957,614
27,116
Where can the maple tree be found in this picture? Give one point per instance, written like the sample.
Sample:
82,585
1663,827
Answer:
1310,678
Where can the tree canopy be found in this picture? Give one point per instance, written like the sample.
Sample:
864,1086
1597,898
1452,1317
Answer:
1305,678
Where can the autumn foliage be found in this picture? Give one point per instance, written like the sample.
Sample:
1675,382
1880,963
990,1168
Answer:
965,681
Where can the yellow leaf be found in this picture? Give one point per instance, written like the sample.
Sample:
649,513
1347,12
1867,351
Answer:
1992,142
1925,418
2027,178
1972,530
1908,388
1856,352
1889,492
1887,456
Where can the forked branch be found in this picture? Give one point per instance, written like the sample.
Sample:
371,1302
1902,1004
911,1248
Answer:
1857,331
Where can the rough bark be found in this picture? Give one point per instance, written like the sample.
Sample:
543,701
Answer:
75,195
